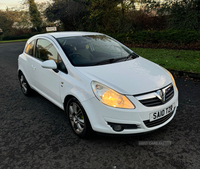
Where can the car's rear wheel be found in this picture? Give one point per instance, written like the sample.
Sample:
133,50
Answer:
78,119
26,90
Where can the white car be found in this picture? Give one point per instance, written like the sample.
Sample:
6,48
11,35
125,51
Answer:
102,85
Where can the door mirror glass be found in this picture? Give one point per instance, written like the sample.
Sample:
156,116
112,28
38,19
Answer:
49,64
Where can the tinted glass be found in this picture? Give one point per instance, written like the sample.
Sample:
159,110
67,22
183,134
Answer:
30,48
93,49
46,51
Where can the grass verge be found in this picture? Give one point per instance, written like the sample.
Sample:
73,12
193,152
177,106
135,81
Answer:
8,41
181,60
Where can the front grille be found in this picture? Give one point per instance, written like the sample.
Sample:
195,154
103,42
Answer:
151,102
157,122
169,93
155,101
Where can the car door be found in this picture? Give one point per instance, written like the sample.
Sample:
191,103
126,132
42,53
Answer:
46,81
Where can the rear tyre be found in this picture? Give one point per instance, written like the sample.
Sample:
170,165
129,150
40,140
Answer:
78,119
26,90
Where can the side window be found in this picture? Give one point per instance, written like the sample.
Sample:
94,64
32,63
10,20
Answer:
61,65
45,50
30,47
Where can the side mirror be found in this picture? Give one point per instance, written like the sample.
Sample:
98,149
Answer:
49,64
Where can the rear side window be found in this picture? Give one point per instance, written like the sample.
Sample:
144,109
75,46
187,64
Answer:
30,48
46,51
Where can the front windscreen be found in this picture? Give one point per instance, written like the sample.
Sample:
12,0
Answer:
93,50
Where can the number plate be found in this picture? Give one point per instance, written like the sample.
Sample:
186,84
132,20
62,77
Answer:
161,113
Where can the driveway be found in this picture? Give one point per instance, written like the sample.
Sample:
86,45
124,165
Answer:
34,132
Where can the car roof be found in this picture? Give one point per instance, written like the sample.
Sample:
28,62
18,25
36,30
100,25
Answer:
71,33
63,34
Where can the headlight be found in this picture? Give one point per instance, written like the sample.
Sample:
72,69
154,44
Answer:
171,78
110,97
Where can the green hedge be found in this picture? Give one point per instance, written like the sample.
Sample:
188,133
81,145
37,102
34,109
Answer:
17,37
166,36
178,37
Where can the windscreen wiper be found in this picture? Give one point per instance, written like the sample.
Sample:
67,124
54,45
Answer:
113,60
107,61
131,56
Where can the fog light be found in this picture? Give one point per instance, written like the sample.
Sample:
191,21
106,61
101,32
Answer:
117,128
121,127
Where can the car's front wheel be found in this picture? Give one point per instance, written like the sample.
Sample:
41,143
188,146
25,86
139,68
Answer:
24,85
78,119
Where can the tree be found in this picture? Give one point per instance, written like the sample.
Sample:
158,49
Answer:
181,14
42,6
108,16
5,23
23,20
7,19
35,15
70,12
104,15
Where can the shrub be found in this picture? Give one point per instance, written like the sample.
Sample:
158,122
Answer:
13,37
156,37
16,34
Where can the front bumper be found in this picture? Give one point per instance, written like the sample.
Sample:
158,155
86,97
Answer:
103,117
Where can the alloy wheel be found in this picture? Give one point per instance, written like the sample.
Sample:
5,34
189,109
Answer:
76,118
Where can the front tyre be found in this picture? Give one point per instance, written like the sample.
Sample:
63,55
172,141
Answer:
78,119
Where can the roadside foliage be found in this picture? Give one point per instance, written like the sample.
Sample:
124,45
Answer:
143,23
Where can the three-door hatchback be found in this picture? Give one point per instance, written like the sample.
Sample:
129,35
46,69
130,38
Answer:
101,84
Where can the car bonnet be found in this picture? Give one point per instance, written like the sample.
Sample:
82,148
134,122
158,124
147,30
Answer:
129,77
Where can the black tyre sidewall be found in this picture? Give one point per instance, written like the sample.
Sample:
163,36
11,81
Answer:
29,90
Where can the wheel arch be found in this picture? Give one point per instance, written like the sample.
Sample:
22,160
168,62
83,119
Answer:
89,128
67,98
18,72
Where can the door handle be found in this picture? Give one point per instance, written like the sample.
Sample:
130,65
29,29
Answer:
34,68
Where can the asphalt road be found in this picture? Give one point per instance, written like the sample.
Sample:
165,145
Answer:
34,132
